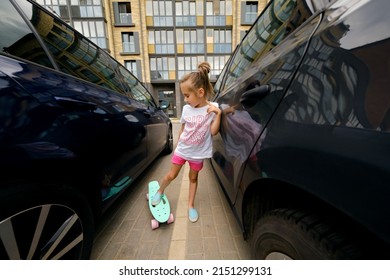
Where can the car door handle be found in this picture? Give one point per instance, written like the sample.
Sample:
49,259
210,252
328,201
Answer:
74,104
250,97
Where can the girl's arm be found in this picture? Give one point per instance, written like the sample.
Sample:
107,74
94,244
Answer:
180,131
215,125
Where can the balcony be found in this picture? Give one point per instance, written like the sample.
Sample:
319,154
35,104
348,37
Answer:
125,19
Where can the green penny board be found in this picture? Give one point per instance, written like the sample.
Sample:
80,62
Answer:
162,210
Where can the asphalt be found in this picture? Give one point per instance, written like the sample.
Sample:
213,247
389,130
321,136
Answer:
125,230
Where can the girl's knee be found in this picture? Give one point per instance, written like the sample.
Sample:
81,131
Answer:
193,177
194,180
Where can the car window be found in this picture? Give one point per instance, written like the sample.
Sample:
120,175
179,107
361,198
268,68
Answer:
17,38
76,55
73,53
277,21
138,91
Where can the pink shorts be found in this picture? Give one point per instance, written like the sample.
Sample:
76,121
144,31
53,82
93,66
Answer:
196,165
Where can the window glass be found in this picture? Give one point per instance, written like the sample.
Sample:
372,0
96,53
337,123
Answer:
128,42
131,65
94,30
162,68
76,55
186,13
222,40
266,33
250,13
193,40
149,8
217,63
162,13
188,64
134,88
17,38
163,41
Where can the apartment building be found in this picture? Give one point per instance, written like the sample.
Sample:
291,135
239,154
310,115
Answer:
160,41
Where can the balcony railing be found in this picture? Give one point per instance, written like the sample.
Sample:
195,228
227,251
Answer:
128,47
125,18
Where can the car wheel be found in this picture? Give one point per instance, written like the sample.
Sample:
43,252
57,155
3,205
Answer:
44,223
292,234
169,145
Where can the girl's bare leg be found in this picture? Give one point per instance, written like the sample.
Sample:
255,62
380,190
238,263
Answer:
169,177
193,176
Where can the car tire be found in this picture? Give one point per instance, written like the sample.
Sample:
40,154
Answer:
293,234
44,222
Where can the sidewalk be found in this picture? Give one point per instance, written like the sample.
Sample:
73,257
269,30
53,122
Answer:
125,232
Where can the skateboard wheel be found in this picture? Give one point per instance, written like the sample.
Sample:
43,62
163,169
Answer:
171,219
154,224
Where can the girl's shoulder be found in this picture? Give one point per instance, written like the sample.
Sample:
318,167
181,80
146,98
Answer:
215,104
186,107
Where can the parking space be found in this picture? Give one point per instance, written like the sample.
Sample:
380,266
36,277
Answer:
126,233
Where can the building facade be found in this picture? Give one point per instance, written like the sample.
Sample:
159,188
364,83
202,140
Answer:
160,41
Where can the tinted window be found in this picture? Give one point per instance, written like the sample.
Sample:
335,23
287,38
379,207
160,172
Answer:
277,21
271,27
73,53
137,90
17,38
76,55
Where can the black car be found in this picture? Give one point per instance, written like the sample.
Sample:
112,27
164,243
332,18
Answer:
303,153
76,129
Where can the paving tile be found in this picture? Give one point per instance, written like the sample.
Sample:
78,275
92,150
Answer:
211,249
208,226
219,215
225,239
127,251
194,240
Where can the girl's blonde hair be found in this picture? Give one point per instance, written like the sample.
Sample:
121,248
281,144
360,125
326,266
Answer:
200,79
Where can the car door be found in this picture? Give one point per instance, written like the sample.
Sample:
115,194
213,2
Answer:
156,121
113,123
254,82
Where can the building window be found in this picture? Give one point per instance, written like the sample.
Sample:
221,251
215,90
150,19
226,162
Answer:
185,13
93,30
217,63
191,39
162,40
58,7
161,12
130,42
188,64
122,13
222,41
89,8
249,12
162,68
216,12
134,67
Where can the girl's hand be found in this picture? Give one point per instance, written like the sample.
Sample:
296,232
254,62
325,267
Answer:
213,109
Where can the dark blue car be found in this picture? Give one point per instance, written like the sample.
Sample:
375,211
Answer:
76,129
303,153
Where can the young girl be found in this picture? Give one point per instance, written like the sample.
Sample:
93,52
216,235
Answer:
200,121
